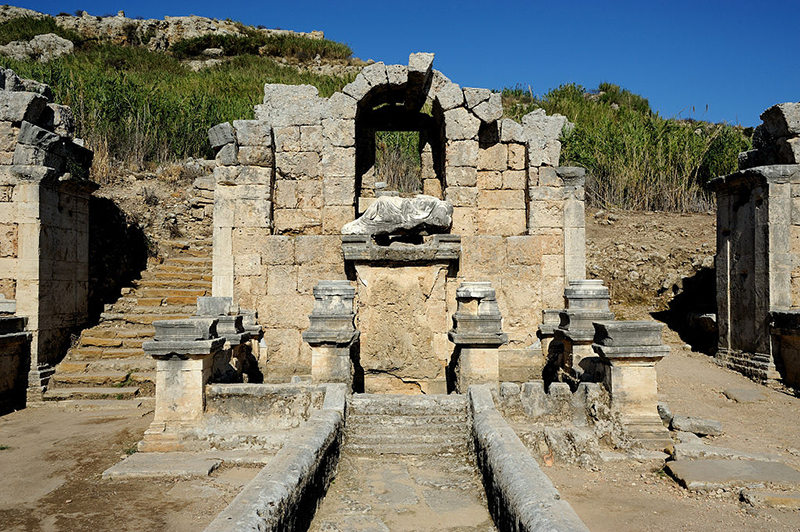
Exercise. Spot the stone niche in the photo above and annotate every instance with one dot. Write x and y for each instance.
(288, 181)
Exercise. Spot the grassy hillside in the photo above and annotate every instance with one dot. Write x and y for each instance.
(635, 158)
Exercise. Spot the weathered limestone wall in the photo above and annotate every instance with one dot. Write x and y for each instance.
(758, 245)
(290, 179)
(44, 209)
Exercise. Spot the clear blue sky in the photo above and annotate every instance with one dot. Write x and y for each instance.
(736, 57)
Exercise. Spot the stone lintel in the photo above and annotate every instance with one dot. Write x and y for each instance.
(579, 322)
(648, 354)
(489, 339)
(437, 248)
(756, 176)
(628, 333)
(7, 306)
(331, 338)
(186, 330)
(214, 306)
(182, 348)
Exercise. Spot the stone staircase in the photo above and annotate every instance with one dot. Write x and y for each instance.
(407, 424)
(108, 362)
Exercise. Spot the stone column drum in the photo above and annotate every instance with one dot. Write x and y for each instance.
(630, 351)
(332, 333)
(184, 351)
(478, 334)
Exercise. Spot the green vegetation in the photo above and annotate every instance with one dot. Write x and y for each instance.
(142, 107)
(634, 158)
(257, 43)
(26, 28)
(397, 160)
(4, 447)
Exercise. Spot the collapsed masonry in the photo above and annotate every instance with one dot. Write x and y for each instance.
(44, 227)
(758, 253)
(288, 181)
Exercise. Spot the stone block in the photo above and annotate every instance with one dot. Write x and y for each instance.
(462, 196)
(462, 176)
(524, 250)
(8, 239)
(358, 88)
(339, 162)
(290, 105)
(228, 155)
(298, 221)
(297, 165)
(220, 135)
(310, 138)
(281, 279)
(546, 214)
(450, 96)
(432, 187)
(516, 156)
(475, 96)
(462, 153)
(511, 131)
(285, 311)
(504, 222)
(490, 180)
(335, 217)
(490, 110)
(309, 275)
(540, 193)
(8, 136)
(515, 180)
(375, 74)
(501, 199)
(256, 156)
(544, 155)
(278, 250)
(782, 120)
(6, 193)
(247, 264)
(338, 191)
(36, 136)
(397, 75)
(340, 106)
(252, 213)
(339, 132)
(465, 221)
(287, 138)
(243, 175)
(318, 249)
(420, 63)
(493, 158)
(25, 155)
(789, 150)
(19, 106)
(460, 124)
(252, 133)
(700, 426)
(300, 194)
(479, 252)
(548, 177)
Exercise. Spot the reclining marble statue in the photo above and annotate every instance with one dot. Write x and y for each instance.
(393, 214)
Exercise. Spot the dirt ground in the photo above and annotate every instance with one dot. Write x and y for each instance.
(51, 459)
(51, 464)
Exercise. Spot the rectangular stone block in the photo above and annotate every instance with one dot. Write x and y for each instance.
(253, 192)
(548, 177)
(19, 106)
(318, 249)
(493, 158)
(228, 155)
(432, 187)
(8, 136)
(281, 279)
(256, 155)
(252, 213)
(252, 133)
(481, 254)
(462, 153)
(460, 124)
(546, 214)
(524, 250)
(278, 250)
(297, 165)
(339, 132)
(335, 217)
(283, 345)
(247, 264)
(248, 289)
(298, 194)
(340, 106)
(462, 196)
(311, 138)
(515, 180)
(505, 222)
(462, 176)
(338, 191)
(6, 193)
(298, 221)
(220, 135)
(8, 240)
(287, 138)
(490, 180)
(516, 156)
(465, 221)
(285, 311)
(340, 162)
(501, 199)
(308, 275)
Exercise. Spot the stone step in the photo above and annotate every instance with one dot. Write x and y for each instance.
(142, 319)
(105, 331)
(186, 305)
(168, 267)
(269, 441)
(410, 422)
(107, 404)
(176, 276)
(92, 353)
(189, 261)
(443, 432)
(188, 294)
(131, 365)
(408, 405)
(61, 394)
(404, 448)
(172, 284)
(66, 380)
(407, 438)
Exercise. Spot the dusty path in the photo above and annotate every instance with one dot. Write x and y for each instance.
(50, 465)
(381, 493)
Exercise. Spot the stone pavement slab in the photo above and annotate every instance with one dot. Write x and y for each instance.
(713, 474)
(154, 465)
(772, 499)
(745, 395)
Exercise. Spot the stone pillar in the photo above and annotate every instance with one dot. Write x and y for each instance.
(332, 333)
(184, 351)
(478, 334)
(587, 301)
(630, 351)
(15, 353)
